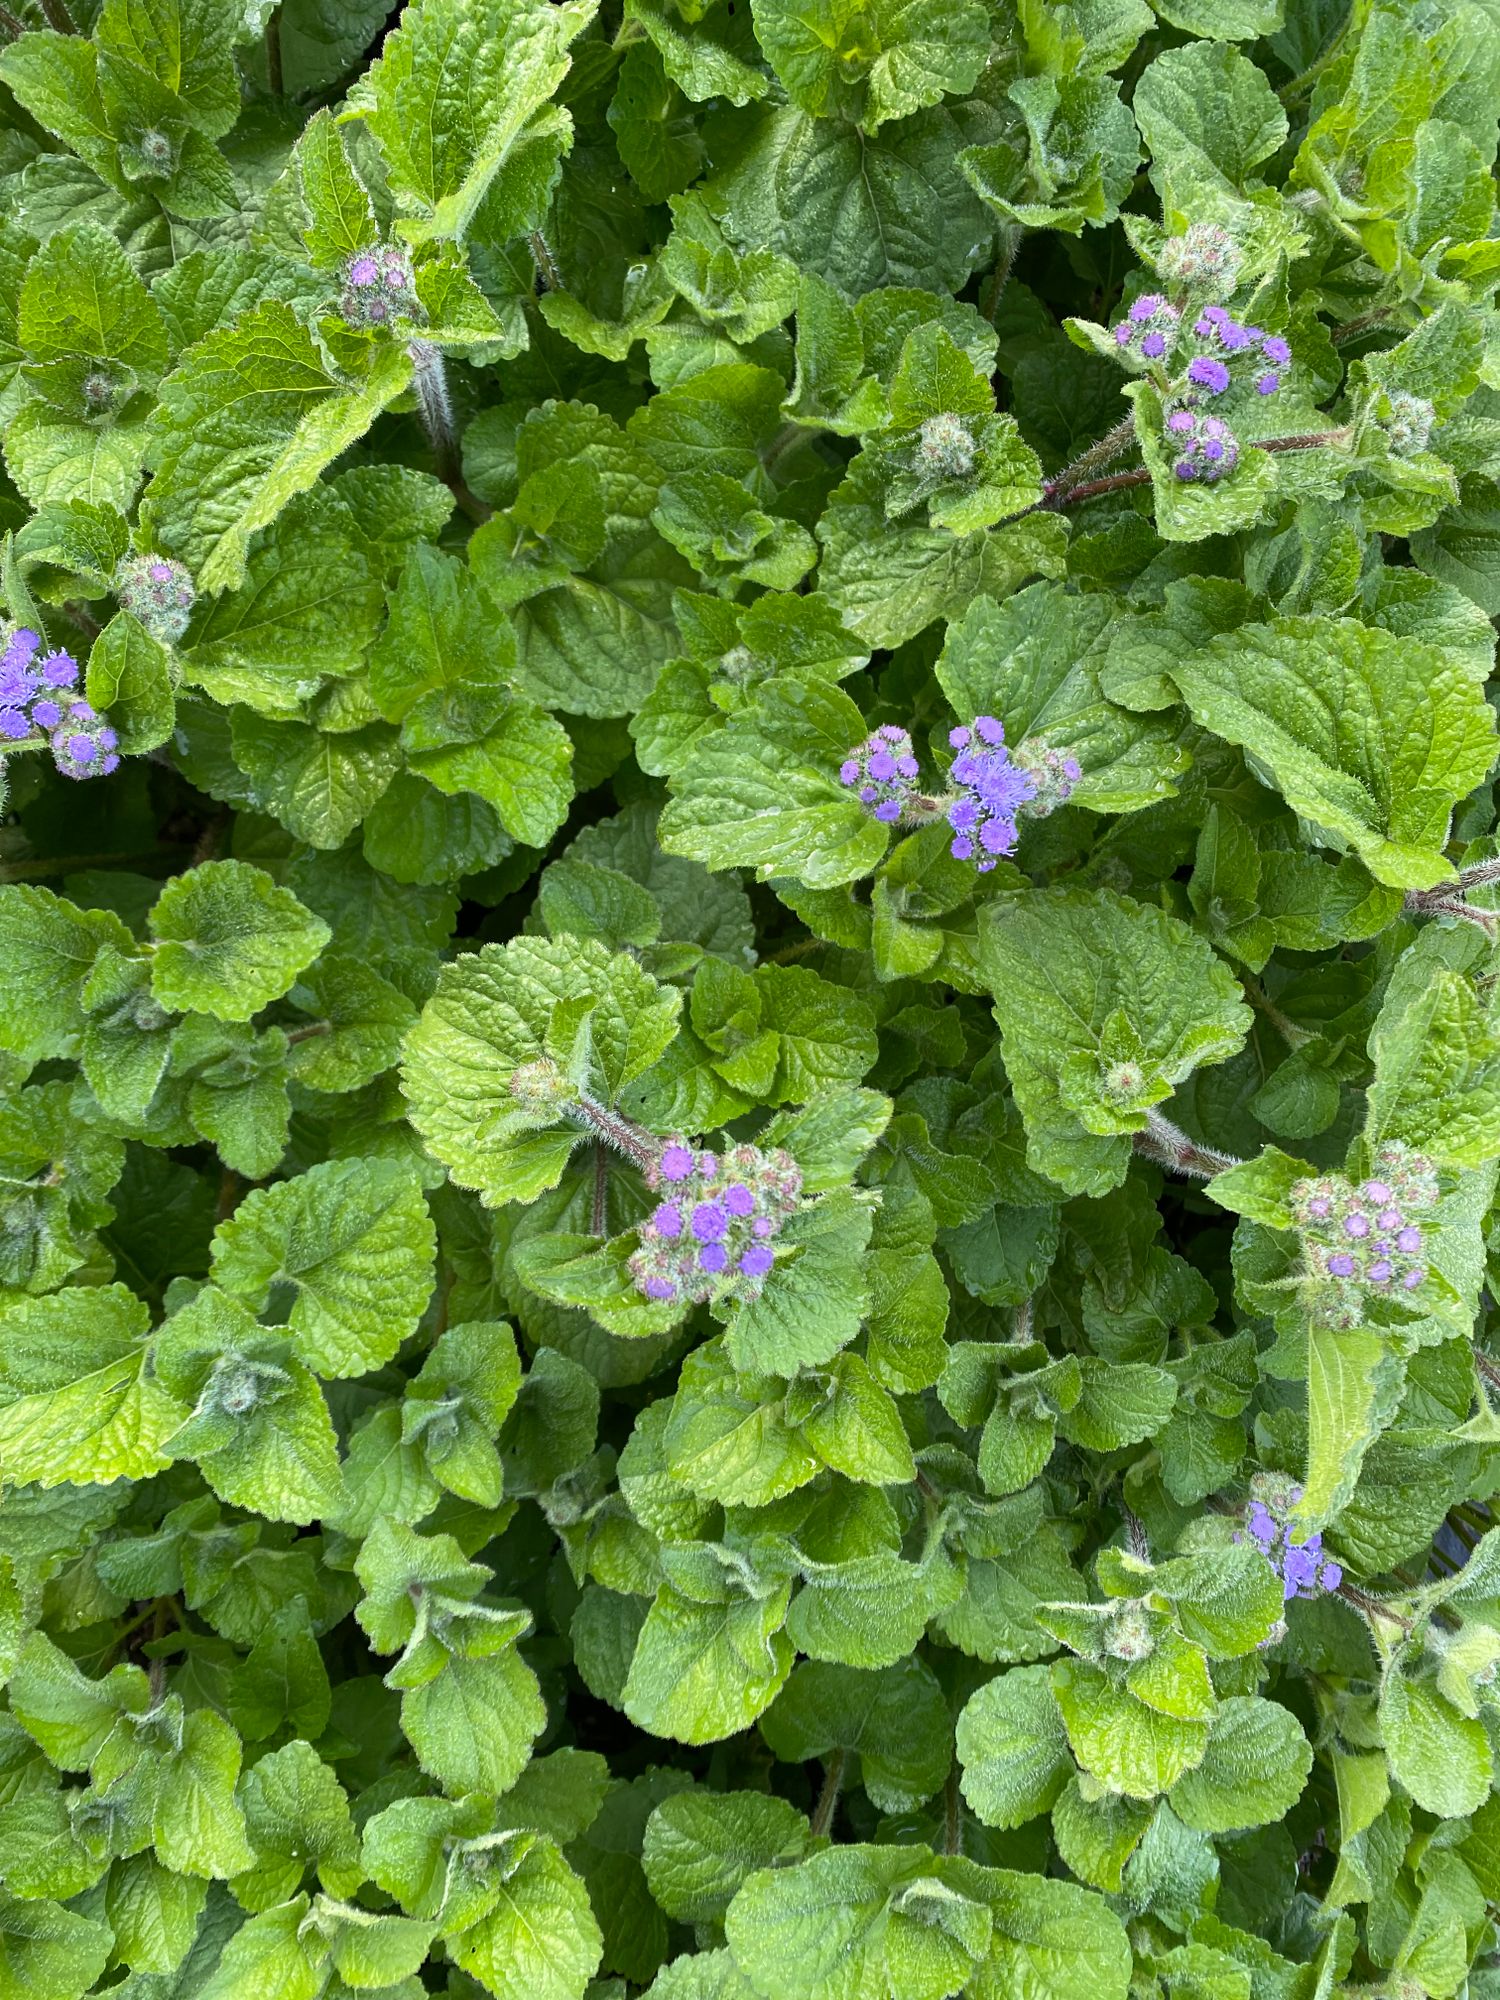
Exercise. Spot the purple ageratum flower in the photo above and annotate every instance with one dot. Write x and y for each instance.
(1206, 371)
(1341, 1264)
(712, 1240)
(1204, 447)
(1274, 348)
(45, 712)
(1053, 775)
(1409, 1240)
(363, 271)
(58, 670)
(1344, 1243)
(83, 744)
(1301, 1564)
(1356, 1223)
(378, 285)
(159, 592)
(14, 724)
(1267, 384)
(1152, 320)
(884, 770)
(990, 789)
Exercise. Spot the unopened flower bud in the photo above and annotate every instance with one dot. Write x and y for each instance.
(1203, 448)
(945, 447)
(1408, 423)
(157, 591)
(882, 772)
(1205, 257)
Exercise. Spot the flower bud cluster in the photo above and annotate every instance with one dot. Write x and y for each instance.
(1367, 1240)
(39, 697)
(991, 791)
(884, 771)
(1205, 258)
(541, 1089)
(378, 287)
(1203, 446)
(1229, 349)
(945, 447)
(1408, 423)
(157, 591)
(1053, 775)
(710, 1236)
(1129, 1635)
(1303, 1568)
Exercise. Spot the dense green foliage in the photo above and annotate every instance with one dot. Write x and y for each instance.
(749, 1065)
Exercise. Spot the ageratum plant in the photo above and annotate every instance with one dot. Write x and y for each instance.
(749, 1066)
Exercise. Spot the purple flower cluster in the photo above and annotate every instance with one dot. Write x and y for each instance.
(1367, 1239)
(711, 1235)
(1266, 356)
(378, 287)
(39, 698)
(157, 591)
(990, 789)
(1203, 446)
(1149, 328)
(884, 771)
(1302, 1566)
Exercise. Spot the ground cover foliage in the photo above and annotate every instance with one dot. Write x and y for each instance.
(749, 1082)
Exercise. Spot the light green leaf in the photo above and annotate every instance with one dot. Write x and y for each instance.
(229, 940)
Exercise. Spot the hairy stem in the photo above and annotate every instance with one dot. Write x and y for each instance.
(58, 16)
(599, 1219)
(1479, 875)
(547, 267)
(79, 615)
(1436, 903)
(1372, 1607)
(10, 25)
(309, 1033)
(1488, 1368)
(1110, 447)
(430, 380)
(1169, 1146)
(634, 1141)
(1005, 263)
(1290, 1033)
(828, 1798)
(1117, 482)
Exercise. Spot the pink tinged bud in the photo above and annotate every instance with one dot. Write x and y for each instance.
(1319, 1206)
(708, 1164)
(161, 572)
(364, 271)
(1389, 1218)
(1357, 1224)
(676, 1163)
(1180, 422)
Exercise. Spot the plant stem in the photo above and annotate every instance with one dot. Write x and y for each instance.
(1353, 328)
(1169, 1146)
(9, 23)
(1009, 248)
(1372, 1607)
(1487, 1367)
(309, 1033)
(1436, 903)
(430, 380)
(1060, 495)
(546, 264)
(634, 1141)
(599, 1219)
(83, 618)
(828, 1798)
(1290, 1033)
(1479, 875)
(273, 53)
(58, 16)
(72, 864)
(1057, 490)
(1020, 1326)
(953, 1815)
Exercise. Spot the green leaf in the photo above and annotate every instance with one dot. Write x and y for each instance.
(1012, 1748)
(340, 217)
(1437, 1065)
(895, 1722)
(1371, 738)
(1105, 1006)
(77, 1401)
(702, 1671)
(130, 680)
(229, 940)
(764, 792)
(700, 1846)
(541, 1940)
(47, 1952)
(353, 1244)
(1253, 1770)
(48, 948)
(871, 59)
(1441, 1757)
(502, 1007)
(82, 296)
(458, 89)
(249, 418)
